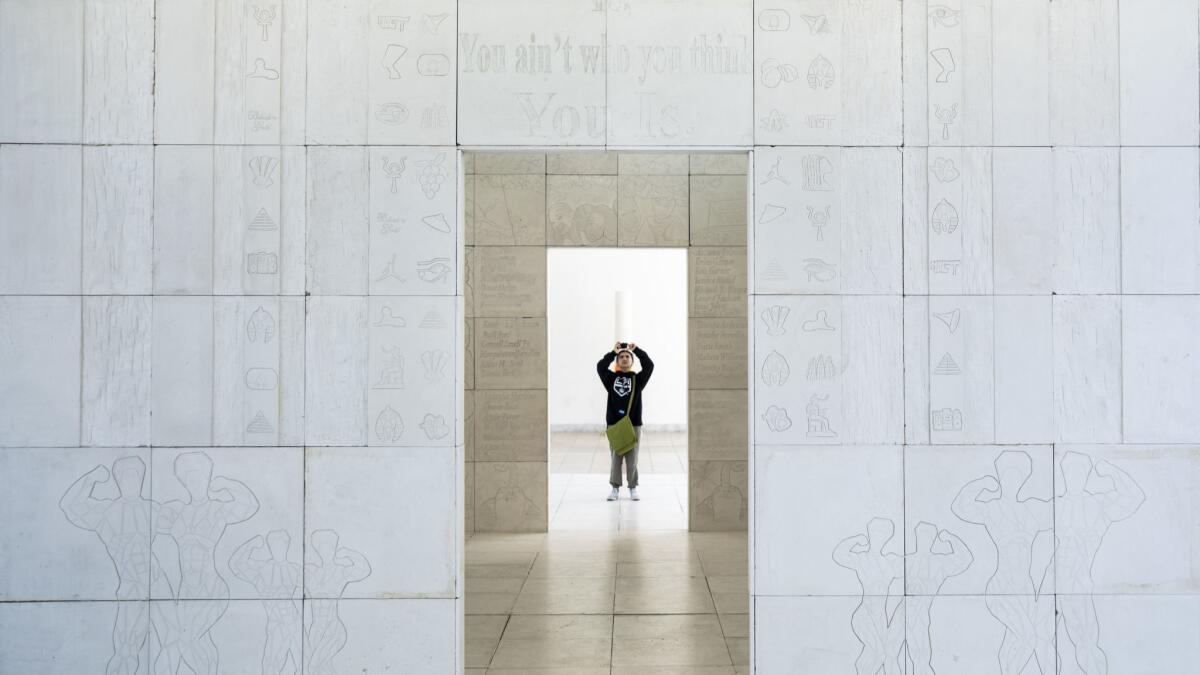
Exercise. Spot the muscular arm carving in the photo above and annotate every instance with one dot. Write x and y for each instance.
(1125, 498)
(79, 505)
(966, 503)
(960, 556)
(241, 563)
(359, 568)
(843, 553)
(242, 504)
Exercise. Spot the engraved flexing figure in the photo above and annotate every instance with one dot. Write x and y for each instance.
(277, 581)
(938, 556)
(123, 526)
(1013, 592)
(875, 626)
(197, 526)
(1084, 517)
(326, 580)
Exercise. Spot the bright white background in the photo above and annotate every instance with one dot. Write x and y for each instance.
(580, 318)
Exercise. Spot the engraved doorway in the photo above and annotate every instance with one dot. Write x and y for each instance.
(518, 204)
(556, 579)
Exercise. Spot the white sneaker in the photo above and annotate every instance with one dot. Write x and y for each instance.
(612, 496)
(633, 494)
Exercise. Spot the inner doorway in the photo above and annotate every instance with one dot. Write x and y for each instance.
(556, 579)
(593, 297)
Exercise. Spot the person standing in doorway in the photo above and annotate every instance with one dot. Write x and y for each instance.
(619, 384)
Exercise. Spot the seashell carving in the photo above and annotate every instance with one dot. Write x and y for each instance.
(775, 317)
(777, 419)
(775, 370)
(389, 427)
(262, 170)
(435, 361)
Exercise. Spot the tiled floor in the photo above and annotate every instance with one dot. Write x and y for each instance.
(614, 588)
(579, 465)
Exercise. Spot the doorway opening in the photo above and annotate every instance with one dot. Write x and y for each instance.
(594, 298)
(557, 575)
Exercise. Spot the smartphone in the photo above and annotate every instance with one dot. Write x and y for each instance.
(624, 345)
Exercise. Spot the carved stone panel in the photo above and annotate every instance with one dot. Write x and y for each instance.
(652, 164)
(717, 353)
(511, 425)
(510, 210)
(714, 164)
(509, 281)
(718, 211)
(411, 371)
(510, 496)
(40, 361)
(182, 371)
(680, 73)
(40, 207)
(719, 495)
(652, 210)
(582, 163)
(717, 426)
(412, 244)
(510, 353)
(534, 75)
(469, 356)
(469, 426)
(717, 282)
(581, 210)
(502, 163)
(116, 371)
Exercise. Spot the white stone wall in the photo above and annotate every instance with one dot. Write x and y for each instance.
(988, 462)
(231, 292)
(1009, 185)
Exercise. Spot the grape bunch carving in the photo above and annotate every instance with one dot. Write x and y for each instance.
(431, 175)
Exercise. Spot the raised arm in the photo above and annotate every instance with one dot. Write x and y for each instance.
(1125, 498)
(241, 562)
(358, 567)
(242, 503)
(844, 553)
(966, 503)
(959, 558)
(78, 504)
(647, 365)
(603, 364)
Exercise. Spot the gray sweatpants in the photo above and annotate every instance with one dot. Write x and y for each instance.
(630, 459)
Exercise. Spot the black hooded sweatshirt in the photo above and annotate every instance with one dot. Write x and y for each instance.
(618, 386)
